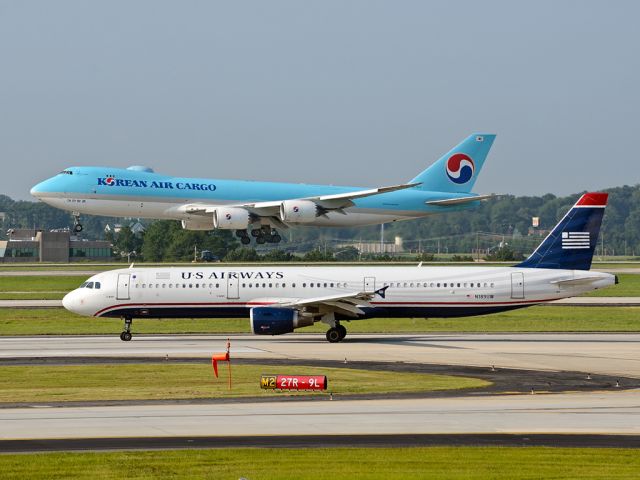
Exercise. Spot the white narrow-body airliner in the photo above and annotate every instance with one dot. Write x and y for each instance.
(280, 299)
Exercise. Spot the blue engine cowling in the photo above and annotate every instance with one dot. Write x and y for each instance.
(274, 320)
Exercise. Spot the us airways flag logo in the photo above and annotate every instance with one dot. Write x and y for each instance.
(575, 240)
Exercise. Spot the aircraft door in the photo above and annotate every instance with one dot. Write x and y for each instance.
(233, 286)
(517, 285)
(369, 284)
(122, 292)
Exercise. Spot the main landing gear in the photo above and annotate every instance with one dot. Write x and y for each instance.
(77, 226)
(126, 335)
(264, 234)
(336, 334)
(243, 236)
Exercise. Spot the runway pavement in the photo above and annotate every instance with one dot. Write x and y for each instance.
(324, 441)
(616, 412)
(607, 354)
(598, 412)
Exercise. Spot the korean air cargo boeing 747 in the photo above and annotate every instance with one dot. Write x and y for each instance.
(280, 299)
(259, 208)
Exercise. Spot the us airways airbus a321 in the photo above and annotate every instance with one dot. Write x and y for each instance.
(280, 299)
(260, 208)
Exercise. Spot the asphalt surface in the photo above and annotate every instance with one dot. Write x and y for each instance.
(321, 441)
(579, 406)
(598, 353)
(566, 413)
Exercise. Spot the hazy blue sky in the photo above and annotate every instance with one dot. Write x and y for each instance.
(346, 92)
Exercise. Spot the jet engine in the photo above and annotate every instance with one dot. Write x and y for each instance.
(205, 223)
(299, 211)
(231, 218)
(276, 320)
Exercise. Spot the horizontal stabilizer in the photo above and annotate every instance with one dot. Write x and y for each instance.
(460, 200)
(576, 281)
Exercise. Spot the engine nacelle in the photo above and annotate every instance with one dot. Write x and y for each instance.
(206, 223)
(276, 320)
(231, 218)
(299, 211)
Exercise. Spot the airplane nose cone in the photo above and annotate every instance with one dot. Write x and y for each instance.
(69, 301)
(35, 190)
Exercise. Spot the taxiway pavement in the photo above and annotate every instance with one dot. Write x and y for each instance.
(597, 412)
(607, 354)
(611, 412)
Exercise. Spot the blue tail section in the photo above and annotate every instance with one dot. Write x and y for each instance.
(457, 170)
(572, 242)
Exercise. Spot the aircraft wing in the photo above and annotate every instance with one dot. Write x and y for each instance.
(347, 303)
(272, 208)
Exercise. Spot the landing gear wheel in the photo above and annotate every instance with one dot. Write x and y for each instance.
(342, 330)
(275, 237)
(126, 335)
(256, 232)
(77, 227)
(241, 233)
(260, 240)
(245, 240)
(333, 335)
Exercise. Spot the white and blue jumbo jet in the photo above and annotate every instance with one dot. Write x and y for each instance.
(260, 208)
(280, 299)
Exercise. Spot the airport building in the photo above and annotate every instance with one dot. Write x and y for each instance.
(32, 245)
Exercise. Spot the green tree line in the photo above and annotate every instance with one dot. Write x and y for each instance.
(506, 218)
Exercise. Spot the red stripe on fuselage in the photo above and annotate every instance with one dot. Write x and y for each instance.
(207, 304)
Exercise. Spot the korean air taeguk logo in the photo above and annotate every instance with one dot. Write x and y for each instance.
(460, 168)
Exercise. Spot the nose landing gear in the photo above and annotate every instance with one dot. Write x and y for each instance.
(126, 335)
(77, 226)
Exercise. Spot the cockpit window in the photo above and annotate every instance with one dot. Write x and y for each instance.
(96, 285)
(83, 285)
(66, 172)
(89, 285)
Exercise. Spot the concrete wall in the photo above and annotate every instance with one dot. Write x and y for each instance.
(54, 246)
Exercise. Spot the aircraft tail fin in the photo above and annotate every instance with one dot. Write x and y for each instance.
(458, 169)
(572, 243)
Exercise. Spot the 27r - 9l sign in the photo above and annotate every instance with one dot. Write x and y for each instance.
(293, 382)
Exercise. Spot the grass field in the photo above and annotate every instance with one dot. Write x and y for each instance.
(57, 321)
(44, 383)
(432, 463)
